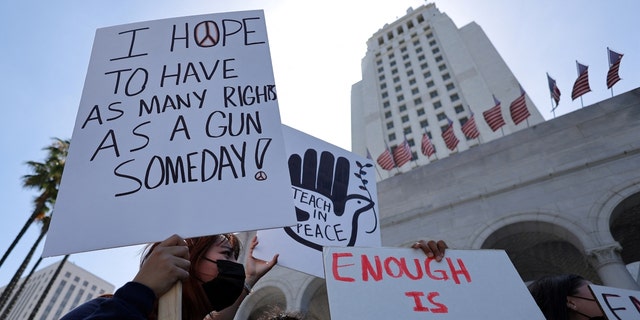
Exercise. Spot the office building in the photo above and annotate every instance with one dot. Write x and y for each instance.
(419, 73)
(71, 287)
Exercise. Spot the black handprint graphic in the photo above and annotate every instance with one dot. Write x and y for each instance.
(326, 213)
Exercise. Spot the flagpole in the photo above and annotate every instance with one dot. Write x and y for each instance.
(581, 103)
(553, 110)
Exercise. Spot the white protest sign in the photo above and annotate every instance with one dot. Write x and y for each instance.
(178, 131)
(402, 283)
(334, 192)
(616, 303)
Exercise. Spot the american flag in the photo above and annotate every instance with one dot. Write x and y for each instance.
(402, 153)
(553, 89)
(427, 147)
(369, 155)
(614, 65)
(470, 129)
(493, 116)
(581, 86)
(518, 108)
(385, 160)
(450, 137)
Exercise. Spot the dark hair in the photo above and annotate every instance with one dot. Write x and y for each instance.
(195, 304)
(550, 293)
(275, 313)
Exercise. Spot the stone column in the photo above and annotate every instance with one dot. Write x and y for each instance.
(612, 271)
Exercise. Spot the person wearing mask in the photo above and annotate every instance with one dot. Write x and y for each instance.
(565, 297)
(214, 283)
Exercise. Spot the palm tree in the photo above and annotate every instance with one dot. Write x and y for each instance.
(46, 178)
(36, 308)
(8, 290)
(14, 299)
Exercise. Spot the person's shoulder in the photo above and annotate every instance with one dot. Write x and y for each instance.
(87, 308)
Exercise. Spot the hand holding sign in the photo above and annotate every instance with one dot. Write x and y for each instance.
(167, 263)
(320, 192)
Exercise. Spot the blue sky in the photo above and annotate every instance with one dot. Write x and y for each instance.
(316, 51)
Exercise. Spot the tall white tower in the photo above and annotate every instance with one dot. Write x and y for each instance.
(421, 71)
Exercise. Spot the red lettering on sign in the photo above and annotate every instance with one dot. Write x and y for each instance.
(335, 266)
(461, 271)
(367, 269)
(441, 308)
(416, 300)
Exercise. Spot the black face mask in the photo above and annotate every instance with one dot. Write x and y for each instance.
(225, 289)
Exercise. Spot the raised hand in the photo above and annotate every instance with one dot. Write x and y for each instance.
(255, 268)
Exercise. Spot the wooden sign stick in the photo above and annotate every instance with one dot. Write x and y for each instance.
(170, 304)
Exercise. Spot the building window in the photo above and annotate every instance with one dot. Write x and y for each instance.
(391, 55)
(442, 67)
(384, 94)
(386, 104)
(409, 73)
(403, 50)
(381, 78)
(432, 43)
(437, 105)
(400, 98)
(400, 30)
(412, 81)
(392, 136)
(405, 56)
(383, 86)
(463, 120)
(389, 125)
(417, 101)
(390, 35)
(427, 74)
(441, 116)
(394, 71)
(421, 57)
(380, 41)
(444, 128)
(387, 114)
(454, 97)
(420, 19)
(398, 88)
(446, 76)
(418, 49)
(430, 84)
(404, 119)
(380, 70)
(415, 91)
(429, 35)
(402, 108)
(424, 123)
(407, 65)
(416, 42)
(407, 130)
(438, 58)
(459, 108)
(392, 63)
(396, 79)
(420, 111)
(410, 24)
(450, 86)
(433, 94)
(411, 143)
(435, 50)
(424, 66)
